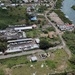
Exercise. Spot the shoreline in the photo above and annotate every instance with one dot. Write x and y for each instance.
(59, 4)
(73, 7)
(60, 13)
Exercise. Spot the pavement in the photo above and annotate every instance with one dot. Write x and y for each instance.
(20, 54)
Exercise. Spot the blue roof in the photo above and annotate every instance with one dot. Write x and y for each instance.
(33, 18)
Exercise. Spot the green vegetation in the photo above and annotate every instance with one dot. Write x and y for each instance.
(7, 16)
(14, 61)
(1, 72)
(56, 60)
(72, 60)
(69, 37)
(3, 45)
(63, 18)
(73, 7)
(58, 4)
(60, 13)
(36, 32)
(42, 8)
(44, 44)
(49, 29)
(52, 42)
(40, 16)
(27, 70)
(51, 64)
(32, 33)
(60, 57)
(41, 20)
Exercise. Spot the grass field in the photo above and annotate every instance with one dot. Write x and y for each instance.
(33, 33)
(27, 70)
(57, 61)
(14, 61)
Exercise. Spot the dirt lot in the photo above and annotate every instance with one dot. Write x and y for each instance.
(56, 18)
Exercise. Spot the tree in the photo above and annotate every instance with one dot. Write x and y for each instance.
(44, 44)
(72, 60)
(69, 37)
(3, 46)
(27, 18)
(42, 8)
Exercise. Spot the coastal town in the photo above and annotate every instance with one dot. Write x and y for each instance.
(36, 36)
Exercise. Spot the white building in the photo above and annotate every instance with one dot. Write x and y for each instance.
(22, 28)
(37, 40)
(66, 27)
(26, 1)
(35, 0)
(34, 58)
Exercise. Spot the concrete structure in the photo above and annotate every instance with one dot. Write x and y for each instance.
(23, 28)
(2, 4)
(20, 40)
(67, 27)
(34, 58)
(21, 45)
(10, 33)
(17, 40)
(34, 18)
(26, 1)
(37, 40)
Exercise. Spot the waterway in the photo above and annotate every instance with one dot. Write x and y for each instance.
(67, 10)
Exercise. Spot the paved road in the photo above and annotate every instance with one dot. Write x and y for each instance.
(20, 54)
(27, 52)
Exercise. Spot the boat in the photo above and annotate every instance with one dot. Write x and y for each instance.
(67, 16)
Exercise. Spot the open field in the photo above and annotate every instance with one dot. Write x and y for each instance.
(14, 61)
(33, 33)
(62, 16)
(60, 13)
(56, 62)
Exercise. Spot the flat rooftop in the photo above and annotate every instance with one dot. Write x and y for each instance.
(19, 40)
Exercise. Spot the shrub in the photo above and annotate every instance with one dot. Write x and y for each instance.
(44, 44)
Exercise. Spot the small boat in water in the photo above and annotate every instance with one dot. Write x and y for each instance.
(66, 16)
(71, 20)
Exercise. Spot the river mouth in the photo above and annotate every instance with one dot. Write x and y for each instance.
(67, 10)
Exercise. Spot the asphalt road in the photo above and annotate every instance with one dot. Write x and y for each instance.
(20, 54)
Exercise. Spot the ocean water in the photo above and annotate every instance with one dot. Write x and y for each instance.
(67, 10)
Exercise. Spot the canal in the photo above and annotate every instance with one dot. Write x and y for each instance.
(67, 10)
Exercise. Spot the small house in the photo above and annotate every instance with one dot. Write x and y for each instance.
(37, 40)
(34, 58)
